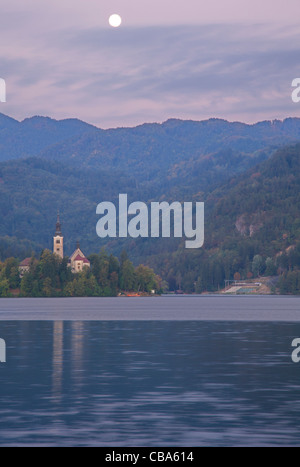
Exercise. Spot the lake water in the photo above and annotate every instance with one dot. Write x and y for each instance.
(175, 371)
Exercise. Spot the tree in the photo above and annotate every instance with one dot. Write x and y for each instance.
(270, 267)
(114, 280)
(237, 276)
(69, 289)
(79, 285)
(199, 286)
(65, 273)
(92, 289)
(27, 284)
(49, 267)
(123, 258)
(128, 278)
(11, 272)
(290, 283)
(145, 279)
(51, 276)
(257, 265)
(4, 288)
(114, 265)
(47, 289)
(103, 270)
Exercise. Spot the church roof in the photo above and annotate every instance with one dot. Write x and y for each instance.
(26, 262)
(79, 258)
(84, 260)
(76, 253)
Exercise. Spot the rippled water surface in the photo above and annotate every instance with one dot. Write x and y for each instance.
(149, 382)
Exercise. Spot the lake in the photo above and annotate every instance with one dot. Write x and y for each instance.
(169, 371)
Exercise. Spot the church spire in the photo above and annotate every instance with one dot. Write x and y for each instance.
(58, 225)
(58, 239)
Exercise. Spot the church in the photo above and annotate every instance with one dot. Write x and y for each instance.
(77, 261)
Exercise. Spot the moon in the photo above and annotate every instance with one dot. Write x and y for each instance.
(115, 21)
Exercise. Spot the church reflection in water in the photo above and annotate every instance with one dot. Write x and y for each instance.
(58, 360)
(77, 345)
(64, 334)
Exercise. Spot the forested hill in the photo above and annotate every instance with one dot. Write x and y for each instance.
(33, 135)
(170, 159)
(263, 203)
(252, 228)
(251, 189)
(151, 147)
(143, 147)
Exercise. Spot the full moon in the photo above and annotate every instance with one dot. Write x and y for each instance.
(115, 21)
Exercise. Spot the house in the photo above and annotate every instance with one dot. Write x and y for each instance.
(24, 266)
(78, 261)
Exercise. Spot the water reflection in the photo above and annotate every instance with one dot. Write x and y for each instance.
(77, 346)
(149, 384)
(58, 360)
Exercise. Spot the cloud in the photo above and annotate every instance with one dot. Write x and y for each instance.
(36, 16)
(137, 74)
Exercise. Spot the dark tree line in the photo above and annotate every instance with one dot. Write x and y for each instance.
(49, 276)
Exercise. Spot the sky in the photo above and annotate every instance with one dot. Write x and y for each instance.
(188, 59)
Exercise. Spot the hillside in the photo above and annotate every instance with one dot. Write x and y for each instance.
(174, 154)
(263, 203)
(251, 190)
(177, 155)
(76, 166)
(33, 135)
(32, 190)
(252, 227)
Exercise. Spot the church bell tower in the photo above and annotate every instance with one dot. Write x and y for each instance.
(58, 240)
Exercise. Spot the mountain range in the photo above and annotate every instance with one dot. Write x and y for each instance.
(247, 174)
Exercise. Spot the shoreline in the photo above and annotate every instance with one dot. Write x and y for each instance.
(167, 295)
(270, 309)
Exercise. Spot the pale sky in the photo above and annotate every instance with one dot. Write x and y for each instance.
(188, 59)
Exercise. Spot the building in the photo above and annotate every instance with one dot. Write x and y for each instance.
(24, 267)
(78, 261)
(58, 240)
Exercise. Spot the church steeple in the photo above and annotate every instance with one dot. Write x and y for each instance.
(58, 239)
(58, 225)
